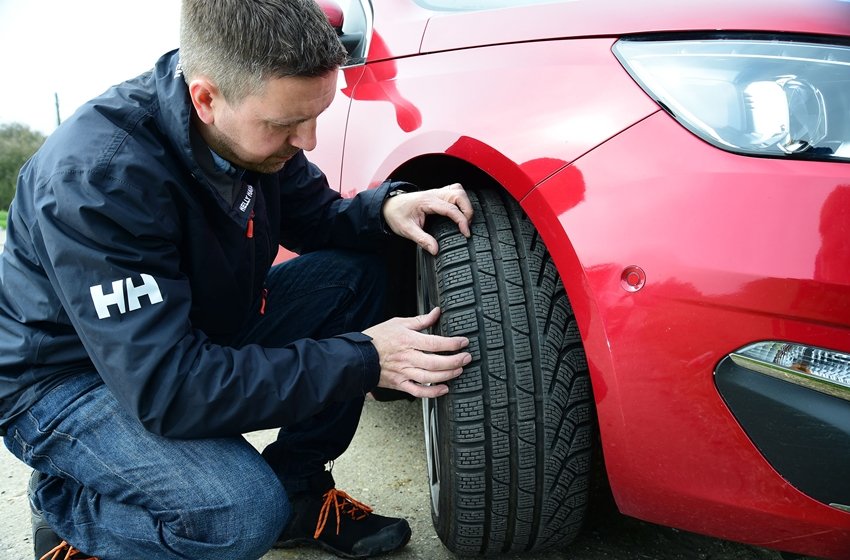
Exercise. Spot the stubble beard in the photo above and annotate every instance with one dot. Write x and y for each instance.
(222, 145)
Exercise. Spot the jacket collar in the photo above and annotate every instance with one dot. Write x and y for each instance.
(223, 181)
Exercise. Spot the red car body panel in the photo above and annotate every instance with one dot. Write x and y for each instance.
(589, 18)
(734, 249)
(674, 453)
(516, 157)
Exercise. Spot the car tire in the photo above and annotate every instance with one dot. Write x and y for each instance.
(509, 448)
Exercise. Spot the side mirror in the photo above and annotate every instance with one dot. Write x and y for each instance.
(333, 12)
(353, 41)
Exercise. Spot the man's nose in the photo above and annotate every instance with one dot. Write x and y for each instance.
(304, 136)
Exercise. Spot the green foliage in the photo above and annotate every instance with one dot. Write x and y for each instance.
(17, 143)
(3, 215)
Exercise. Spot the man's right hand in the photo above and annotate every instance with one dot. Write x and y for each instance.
(415, 362)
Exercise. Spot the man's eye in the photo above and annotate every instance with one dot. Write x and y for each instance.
(278, 126)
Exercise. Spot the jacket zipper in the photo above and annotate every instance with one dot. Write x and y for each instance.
(249, 233)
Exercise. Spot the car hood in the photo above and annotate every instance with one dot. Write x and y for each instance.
(407, 29)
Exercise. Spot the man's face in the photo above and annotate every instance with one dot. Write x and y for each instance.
(262, 131)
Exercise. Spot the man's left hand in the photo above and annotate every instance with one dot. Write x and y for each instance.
(405, 213)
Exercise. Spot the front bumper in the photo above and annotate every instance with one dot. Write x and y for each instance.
(804, 434)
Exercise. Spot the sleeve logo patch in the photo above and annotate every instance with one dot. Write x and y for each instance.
(125, 296)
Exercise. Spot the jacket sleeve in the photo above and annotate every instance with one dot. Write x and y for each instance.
(315, 216)
(110, 250)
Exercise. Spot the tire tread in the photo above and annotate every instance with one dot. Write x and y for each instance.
(520, 417)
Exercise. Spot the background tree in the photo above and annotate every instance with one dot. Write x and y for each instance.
(17, 143)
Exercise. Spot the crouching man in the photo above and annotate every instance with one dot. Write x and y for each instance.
(145, 328)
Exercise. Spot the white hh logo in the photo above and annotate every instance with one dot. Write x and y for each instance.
(102, 301)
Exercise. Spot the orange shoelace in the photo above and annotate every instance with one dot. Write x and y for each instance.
(343, 504)
(70, 553)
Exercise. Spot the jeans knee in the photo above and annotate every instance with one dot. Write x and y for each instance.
(263, 517)
(243, 528)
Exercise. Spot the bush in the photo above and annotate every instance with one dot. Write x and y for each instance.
(17, 144)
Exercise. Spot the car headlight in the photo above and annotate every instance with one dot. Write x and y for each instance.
(759, 96)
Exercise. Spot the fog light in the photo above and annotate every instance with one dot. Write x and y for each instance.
(819, 369)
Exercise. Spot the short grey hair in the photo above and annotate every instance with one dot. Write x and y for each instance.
(241, 44)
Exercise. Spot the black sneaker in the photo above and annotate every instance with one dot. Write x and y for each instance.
(333, 520)
(46, 544)
(44, 539)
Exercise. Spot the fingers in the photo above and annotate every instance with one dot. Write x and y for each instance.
(422, 322)
(437, 343)
(453, 203)
(412, 382)
(426, 241)
(414, 361)
(458, 198)
(432, 342)
(461, 200)
(413, 227)
(405, 214)
(423, 367)
(424, 391)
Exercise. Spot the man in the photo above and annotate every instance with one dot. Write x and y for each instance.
(144, 328)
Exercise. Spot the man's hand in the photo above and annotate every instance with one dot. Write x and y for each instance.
(409, 358)
(405, 214)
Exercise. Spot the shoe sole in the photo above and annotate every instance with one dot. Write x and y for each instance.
(293, 543)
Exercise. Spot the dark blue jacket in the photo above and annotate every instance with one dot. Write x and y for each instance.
(127, 252)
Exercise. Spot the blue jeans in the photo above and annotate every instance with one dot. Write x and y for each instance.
(116, 491)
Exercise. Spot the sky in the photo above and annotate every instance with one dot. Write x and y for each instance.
(75, 49)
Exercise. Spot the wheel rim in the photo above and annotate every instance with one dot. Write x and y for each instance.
(426, 300)
(429, 412)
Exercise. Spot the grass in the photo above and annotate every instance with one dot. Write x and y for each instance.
(3, 214)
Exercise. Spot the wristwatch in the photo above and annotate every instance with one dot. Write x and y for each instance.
(390, 194)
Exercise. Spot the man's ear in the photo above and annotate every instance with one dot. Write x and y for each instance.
(205, 96)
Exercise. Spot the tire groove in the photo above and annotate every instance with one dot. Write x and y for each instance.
(507, 344)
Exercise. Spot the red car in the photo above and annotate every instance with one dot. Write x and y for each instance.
(658, 281)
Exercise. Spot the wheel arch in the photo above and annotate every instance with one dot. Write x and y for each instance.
(425, 171)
